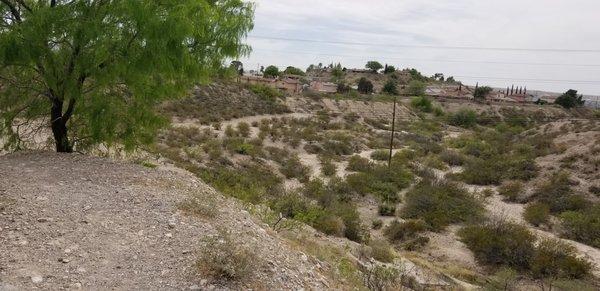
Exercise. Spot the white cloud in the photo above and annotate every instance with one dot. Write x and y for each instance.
(481, 23)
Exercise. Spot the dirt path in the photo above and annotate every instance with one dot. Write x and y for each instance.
(72, 221)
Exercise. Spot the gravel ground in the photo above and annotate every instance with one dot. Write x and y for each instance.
(79, 222)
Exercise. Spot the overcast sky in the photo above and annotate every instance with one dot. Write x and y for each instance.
(384, 28)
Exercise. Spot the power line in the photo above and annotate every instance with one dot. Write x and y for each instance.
(434, 60)
(560, 50)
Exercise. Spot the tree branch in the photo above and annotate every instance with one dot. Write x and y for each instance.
(24, 5)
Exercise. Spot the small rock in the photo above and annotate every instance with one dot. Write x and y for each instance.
(169, 235)
(64, 260)
(203, 282)
(195, 287)
(37, 279)
(42, 220)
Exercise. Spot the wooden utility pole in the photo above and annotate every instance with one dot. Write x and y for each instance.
(392, 138)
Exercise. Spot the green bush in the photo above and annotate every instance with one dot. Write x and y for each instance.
(441, 203)
(422, 104)
(382, 251)
(377, 224)
(416, 88)
(222, 258)
(293, 168)
(511, 190)
(536, 213)
(452, 158)
(328, 168)
(500, 243)
(558, 195)
(401, 231)
(357, 163)
(266, 93)
(466, 118)
(556, 259)
(386, 209)
(505, 244)
(243, 129)
(380, 155)
(582, 225)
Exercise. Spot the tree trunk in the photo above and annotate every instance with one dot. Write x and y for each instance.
(59, 128)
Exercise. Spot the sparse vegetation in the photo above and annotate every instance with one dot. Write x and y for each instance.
(223, 258)
(537, 213)
(511, 190)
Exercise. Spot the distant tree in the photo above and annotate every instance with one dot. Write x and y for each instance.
(416, 88)
(365, 86)
(450, 80)
(570, 99)
(416, 75)
(293, 71)
(390, 88)
(238, 67)
(482, 92)
(389, 69)
(94, 72)
(374, 66)
(262, 69)
(438, 77)
(338, 71)
(271, 72)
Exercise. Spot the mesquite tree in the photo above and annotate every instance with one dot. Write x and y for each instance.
(94, 71)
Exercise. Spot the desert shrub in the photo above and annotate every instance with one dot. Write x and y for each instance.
(382, 251)
(387, 209)
(357, 163)
(250, 183)
(290, 205)
(337, 147)
(354, 229)
(230, 131)
(500, 243)
(204, 207)
(556, 259)
(381, 181)
(401, 231)
(213, 149)
(434, 161)
(328, 168)
(422, 103)
(416, 88)
(438, 111)
(416, 243)
(452, 158)
(558, 195)
(583, 225)
(222, 258)
(330, 225)
(440, 203)
(380, 155)
(278, 155)
(243, 129)
(536, 213)
(266, 93)
(293, 168)
(466, 118)
(382, 278)
(511, 190)
(377, 224)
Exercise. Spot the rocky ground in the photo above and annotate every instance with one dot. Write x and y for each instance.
(78, 222)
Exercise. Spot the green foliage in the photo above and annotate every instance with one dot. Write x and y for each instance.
(365, 86)
(380, 155)
(536, 213)
(441, 203)
(293, 71)
(328, 168)
(416, 75)
(293, 168)
(416, 88)
(374, 66)
(466, 118)
(381, 251)
(570, 99)
(452, 158)
(104, 67)
(387, 209)
(583, 225)
(482, 92)
(268, 94)
(500, 243)
(390, 88)
(556, 192)
(511, 190)
(556, 259)
(389, 69)
(377, 224)
(381, 182)
(402, 231)
(357, 163)
(243, 129)
(422, 103)
(271, 72)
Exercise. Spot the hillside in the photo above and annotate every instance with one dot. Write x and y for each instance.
(72, 221)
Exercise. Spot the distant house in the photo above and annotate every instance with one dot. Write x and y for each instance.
(324, 87)
(284, 84)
